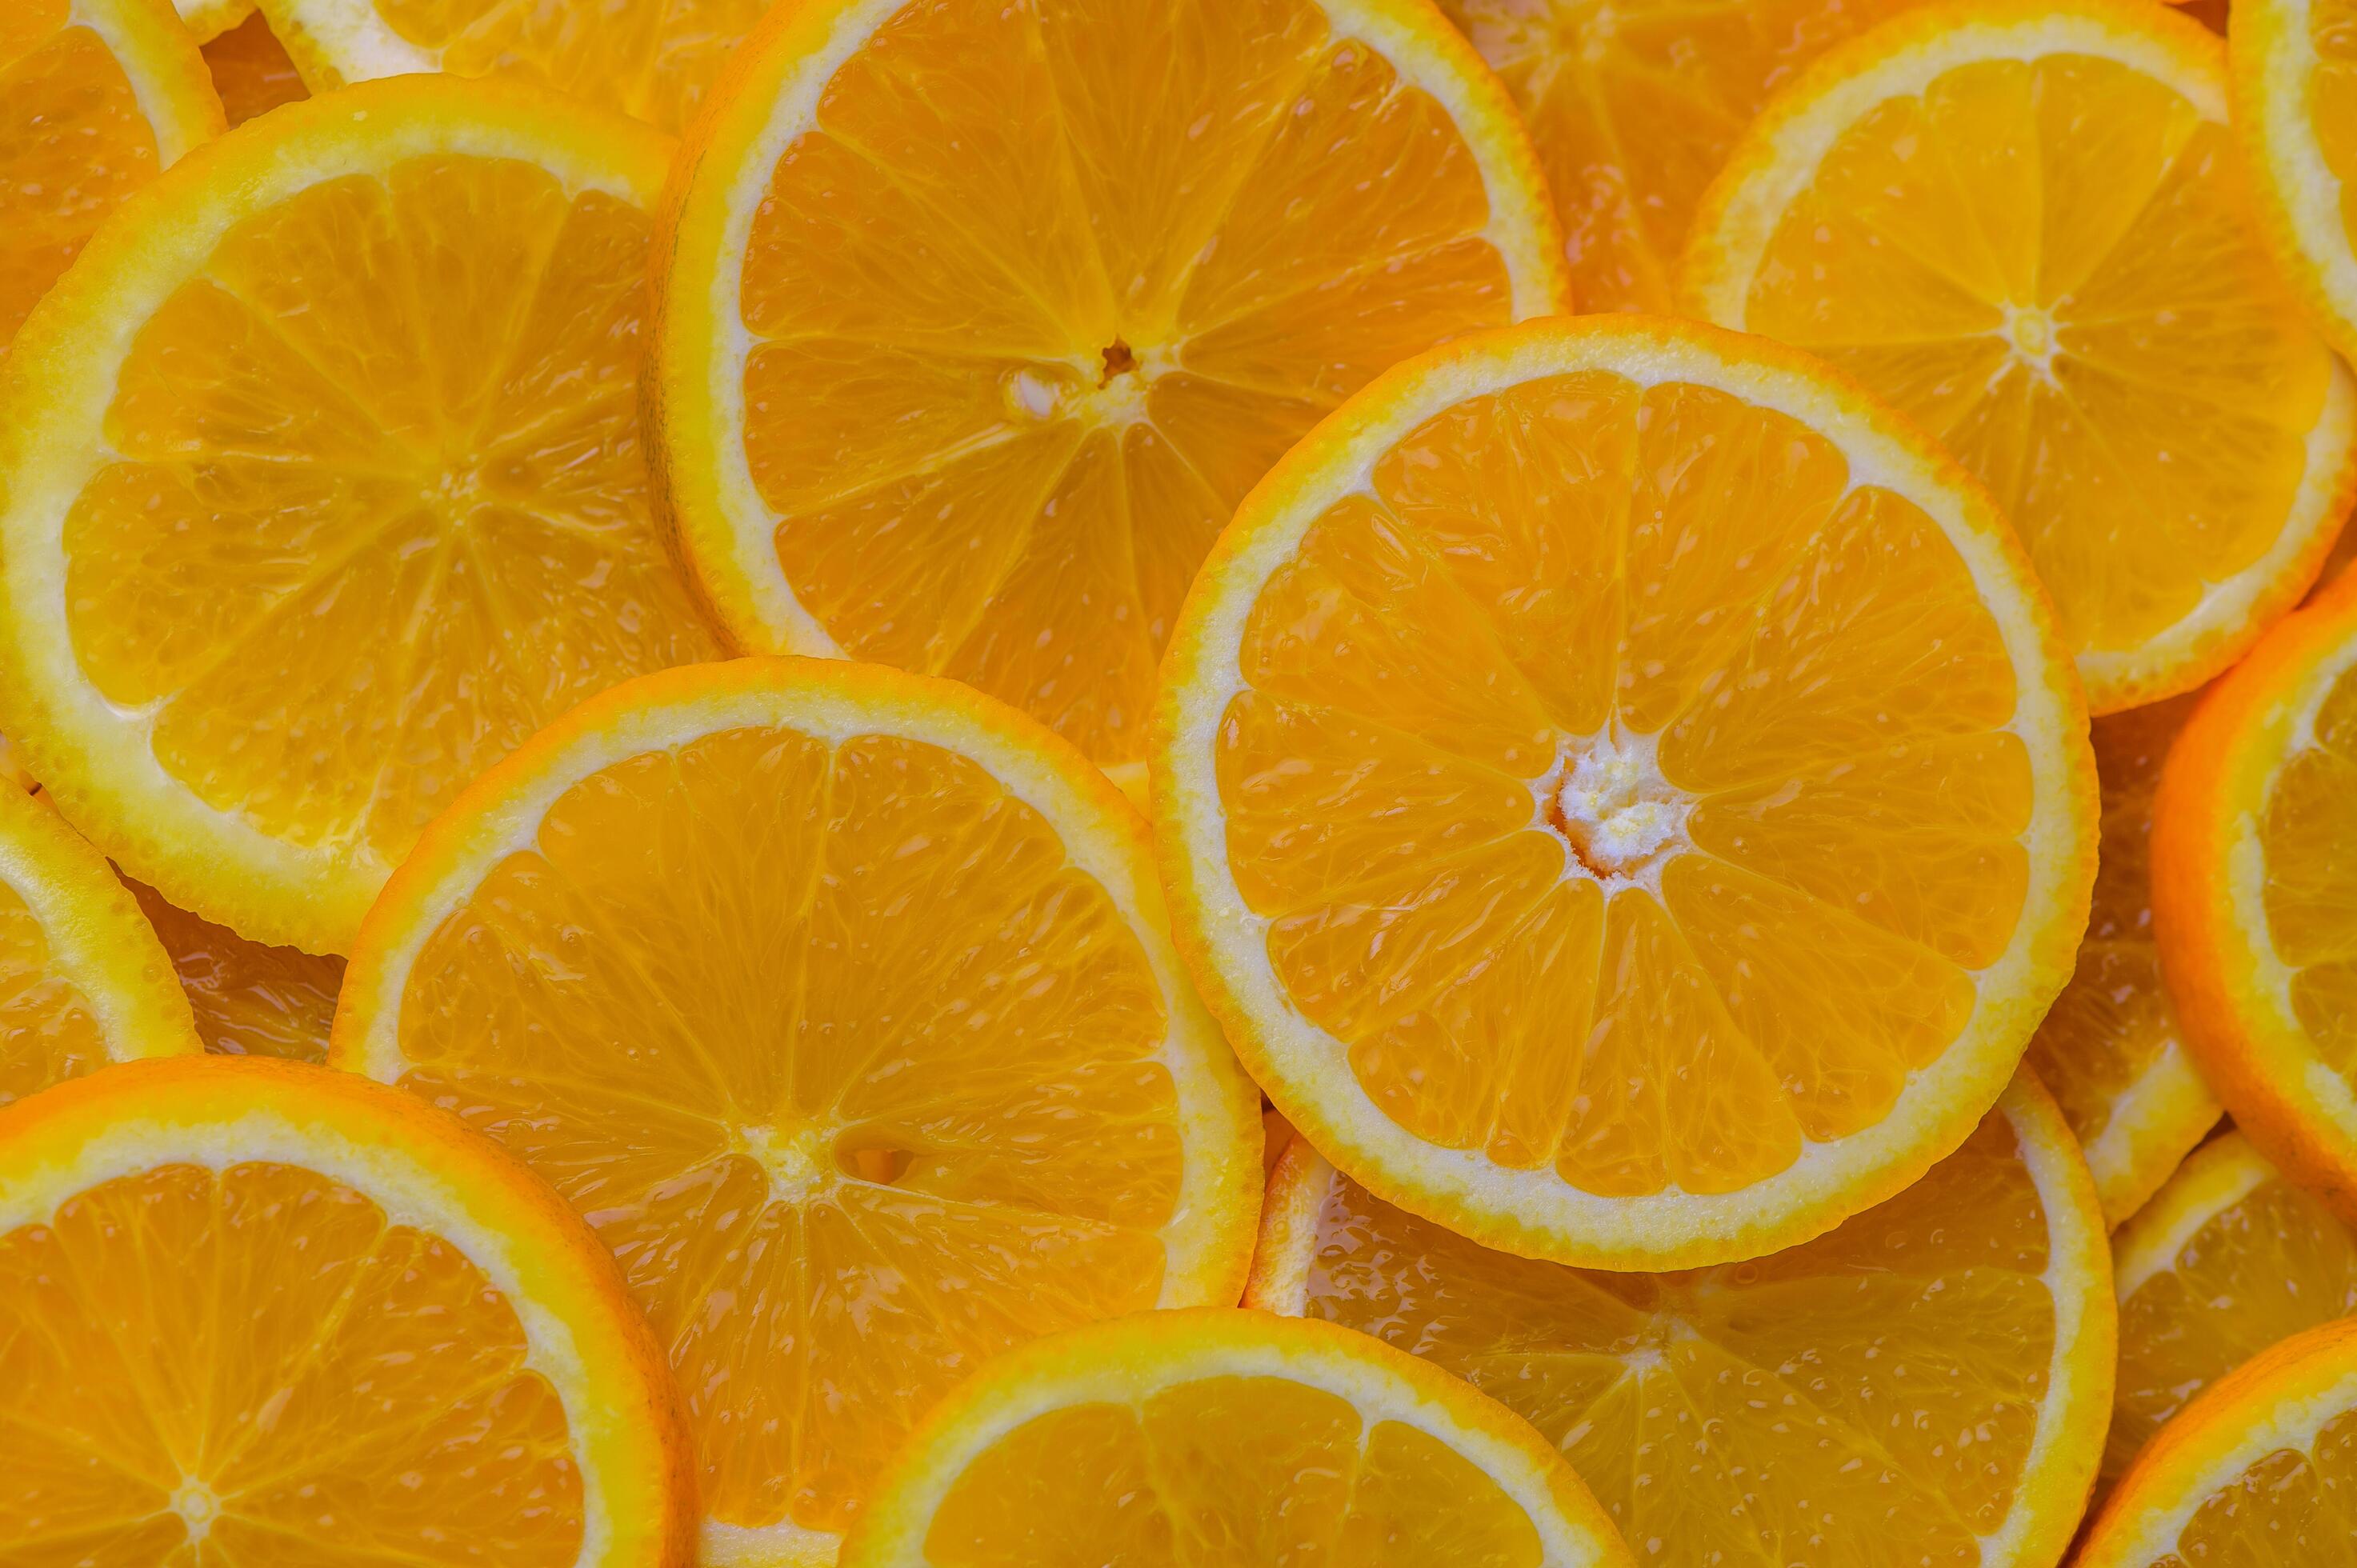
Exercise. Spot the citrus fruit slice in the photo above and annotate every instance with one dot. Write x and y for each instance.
(1174, 1438)
(2255, 894)
(82, 981)
(2294, 68)
(1928, 1383)
(1623, 791)
(96, 96)
(2110, 1049)
(842, 1002)
(2226, 1260)
(2258, 1470)
(324, 490)
(251, 70)
(249, 1000)
(2026, 224)
(258, 1311)
(650, 58)
(974, 325)
(208, 19)
(1634, 106)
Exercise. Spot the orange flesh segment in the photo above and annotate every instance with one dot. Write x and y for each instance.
(73, 144)
(2307, 842)
(250, 999)
(380, 512)
(48, 1033)
(1821, 694)
(2053, 267)
(2290, 1506)
(1037, 300)
(2332, 33)
(251, 70)
(1226, 1469)
(1635, 108)
(1882, 1383)
(260, 1352)
(789, 1021)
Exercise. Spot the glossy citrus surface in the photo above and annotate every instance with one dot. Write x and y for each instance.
(839, 1001)
(1928, 1383)
(262, 1314)
(2028, 225)
(978, 321)
(357, 506)
(1173, 1439)
(1588, 872)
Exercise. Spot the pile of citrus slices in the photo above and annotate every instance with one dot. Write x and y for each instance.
(1189, 783)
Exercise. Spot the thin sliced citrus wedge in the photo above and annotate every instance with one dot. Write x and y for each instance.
(82, 981)
(2226, 1260)
(2110, 1049)
(249, 1000)
(260, 1313)
(1928, 1383)
(1171, 1439)
(2260, 1470)
(842, 1002)
(2026, 224)
(650, 58)
(1623, 791)
(96, 96)
(323, 490)
(251, 70)
(2255, 894)
(209, 19)
(975, 322)
(1635, 107)
(2295, 79)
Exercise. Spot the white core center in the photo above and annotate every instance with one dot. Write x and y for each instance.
(796, 1160)
(197, 1506)
(1615, 807)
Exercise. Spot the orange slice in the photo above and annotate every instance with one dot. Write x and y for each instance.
(2025, 223)
(1624, 794)
(251, 70)
(1635, 107)
(2294, 76)
(82, 981)
(841, 1001)
(1230, 1437)
(208, 19)
(249, 1000)
(96, 96)
(2254, 892)
(261, 1313)
(974, 325)
(2258, 1470)
(324, 490)
(651, 59)
(2110, 1049)
(2227, 1258)
(1928, 1383)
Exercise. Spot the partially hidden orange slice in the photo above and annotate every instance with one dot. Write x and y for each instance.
(323, 490)
(1624, 793)
(976, 322)
(1175, 1438)
(249, 1000)
(262, 1312)
(842, 1002)
(2025, 223)
(1928, 1383)
(2295, 80)
(96, 98)
(209, 19)
(251, 70)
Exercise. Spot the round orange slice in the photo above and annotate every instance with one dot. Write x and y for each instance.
(2110, 1049)
(323, 490)
(249, 1000)
(651, 59)
(1634, 108)
(1624, 793)
(2255, 894)
(1928, 1383)
(251, 70)
(2226, 1260)
(1175, 1438)
(974, 324)
(2294, 70)
(96, 97)
(82, 981)
(842, 1002)
(2026, 224)
(2258, 1470)
(261, 1313)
